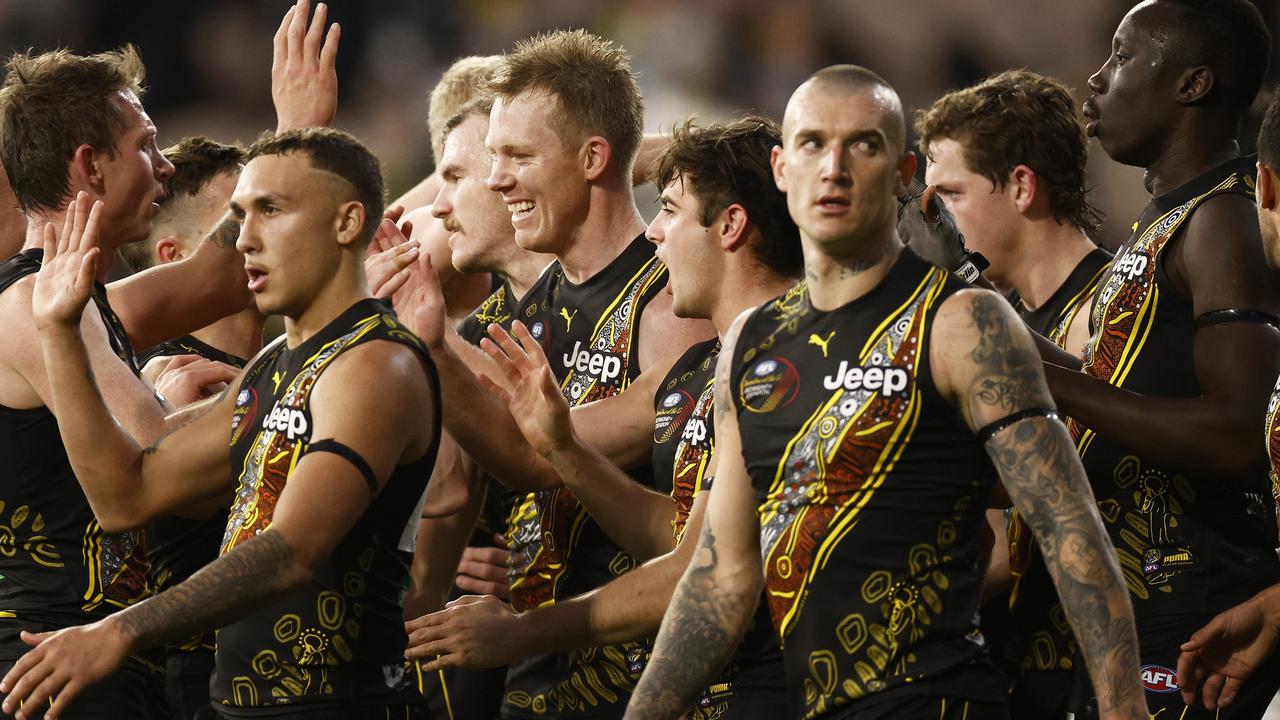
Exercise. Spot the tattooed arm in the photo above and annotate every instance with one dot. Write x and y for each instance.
(985, 362)
(180, 297)
(715, 598)
(376, 400)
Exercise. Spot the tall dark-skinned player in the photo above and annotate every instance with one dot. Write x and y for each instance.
(1185, 347)
(322, 448)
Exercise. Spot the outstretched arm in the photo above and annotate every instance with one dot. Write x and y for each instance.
(713, 603)
(984, 360)
(478, 631)
(637, 518)
(387, 423)
(126, 485)
(1219, 261)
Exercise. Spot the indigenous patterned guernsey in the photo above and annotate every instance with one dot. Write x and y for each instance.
(57, 567)
(589, 333)
(1188, 543)
(752, 686)
(871, 492)
(339, 640)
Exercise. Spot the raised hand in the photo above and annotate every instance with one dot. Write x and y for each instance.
(392, 262)
(60, 665)
(64, 284)
(927, 227)
(472, 631)
(535, 400)
(304, 80)
(423, 306)
(1223, 654)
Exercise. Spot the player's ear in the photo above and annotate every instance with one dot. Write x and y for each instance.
(596, 155)
(167, 250)
(1025, 185)
(1194, 85)
(779, 174)
(86, 170)
(733, 226)
(1266, 189)
(350, 222)
(906, 171)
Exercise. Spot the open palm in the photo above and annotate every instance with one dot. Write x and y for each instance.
(535, 401)
(64, 284)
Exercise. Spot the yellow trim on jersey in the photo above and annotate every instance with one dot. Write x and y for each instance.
(626, 289)
(1146, 318)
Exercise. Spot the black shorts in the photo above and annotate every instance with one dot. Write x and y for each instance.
(186, 679)
(1042, 695)
(925, 707)
(136, 690)
(462, 693)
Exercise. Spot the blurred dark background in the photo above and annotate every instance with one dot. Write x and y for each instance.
(208, 61)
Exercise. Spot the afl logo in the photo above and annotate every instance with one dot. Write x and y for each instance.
(1159, 679)
(769, 384)
(242, 417)
(537, 330)
(672, 414)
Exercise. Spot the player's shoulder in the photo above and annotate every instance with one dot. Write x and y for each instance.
(381, 368)
(970, 308)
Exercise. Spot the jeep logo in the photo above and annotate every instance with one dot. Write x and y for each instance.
(605, 366)
(885, 381)
(1132, 266)
(290, 421)
(695, 432)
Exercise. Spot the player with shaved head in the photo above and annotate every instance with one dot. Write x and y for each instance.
(861, 421)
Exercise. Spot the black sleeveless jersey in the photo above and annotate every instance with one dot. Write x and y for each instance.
(1273, 440)
(590, 334)
(1187, 542)
(683, 434)
(683, 440)
(340, 638)
(180, 546)
(57, 567)
(871, 492)
(1032, 632)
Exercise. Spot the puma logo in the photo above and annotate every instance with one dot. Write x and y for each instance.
(568, 319)
(821, 342)
(276, 377)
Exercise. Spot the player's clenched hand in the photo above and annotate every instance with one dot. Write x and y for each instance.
(304, 81)
(64, 284)
(472, 631)
(1220, 656)
(535, 400)
(61, 664)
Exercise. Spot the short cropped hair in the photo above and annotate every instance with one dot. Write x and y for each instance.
(459, 85)
(196, 161)
(51, 104)
(478, 106)
(339, 153)
(1269, 135)
(596, 91)
(1228, 36)
(1016, 118)
(726, 164)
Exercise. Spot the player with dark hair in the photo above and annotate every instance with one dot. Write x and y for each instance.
(332, 431)
(1185, 348)
(725, 234)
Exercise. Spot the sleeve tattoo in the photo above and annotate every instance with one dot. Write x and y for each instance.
(219, 593)
(1042, 473)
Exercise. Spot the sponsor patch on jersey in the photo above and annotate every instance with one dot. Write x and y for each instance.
(1159, 679)
(770, 383)
(294, 423)
(671, 414)
(1156, 561)
(884, 380)
(244, 413)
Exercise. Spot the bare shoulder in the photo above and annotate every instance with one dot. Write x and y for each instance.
(384, 369)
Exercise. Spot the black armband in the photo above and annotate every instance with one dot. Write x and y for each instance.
(1218, 317)
(330, 445)
(994, 428)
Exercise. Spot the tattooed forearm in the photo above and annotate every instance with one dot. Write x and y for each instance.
(225, 233)
(241, 580)
(702, 627)
(1044, 478)
(1008, 378)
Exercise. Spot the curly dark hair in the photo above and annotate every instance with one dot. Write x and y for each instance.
(1018, 118)
(727, 164)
